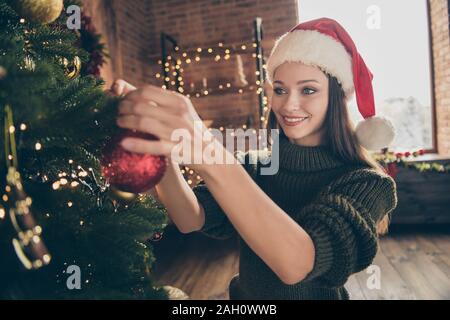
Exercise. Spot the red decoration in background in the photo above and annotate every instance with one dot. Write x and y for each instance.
(391, 161)
(392, 169)
(90, 41)
(407, 154)
(131, 172)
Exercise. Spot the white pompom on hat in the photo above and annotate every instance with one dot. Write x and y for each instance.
(325, 43)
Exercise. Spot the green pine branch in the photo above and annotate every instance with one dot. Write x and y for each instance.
(70, 119)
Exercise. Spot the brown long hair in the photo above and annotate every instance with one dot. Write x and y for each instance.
(340, 136)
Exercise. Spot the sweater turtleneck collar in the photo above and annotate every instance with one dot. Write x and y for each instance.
(294, 157)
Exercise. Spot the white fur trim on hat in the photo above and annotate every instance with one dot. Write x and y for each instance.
(313, 48)
(375, 133)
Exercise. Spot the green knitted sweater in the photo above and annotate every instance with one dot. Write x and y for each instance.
(337, 204)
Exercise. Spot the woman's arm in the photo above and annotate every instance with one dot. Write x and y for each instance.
(180, 201)
(271, 233)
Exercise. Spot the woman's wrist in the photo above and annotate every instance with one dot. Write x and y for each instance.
(208, 162)
(211, 166)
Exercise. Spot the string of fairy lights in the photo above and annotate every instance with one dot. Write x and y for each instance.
(74, 179)
(175, 66)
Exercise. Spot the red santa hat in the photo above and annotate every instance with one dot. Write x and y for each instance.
(325, 43)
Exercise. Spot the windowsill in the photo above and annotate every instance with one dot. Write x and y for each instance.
(429, 157)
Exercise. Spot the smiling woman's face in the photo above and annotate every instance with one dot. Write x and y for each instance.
(300, 102)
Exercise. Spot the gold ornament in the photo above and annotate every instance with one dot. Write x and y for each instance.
(40, 11)
(122, 196)
(27, 243)
(73, 69)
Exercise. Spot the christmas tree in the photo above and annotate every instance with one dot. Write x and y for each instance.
(63, 234)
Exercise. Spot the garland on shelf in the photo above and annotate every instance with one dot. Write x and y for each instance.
(391, 161)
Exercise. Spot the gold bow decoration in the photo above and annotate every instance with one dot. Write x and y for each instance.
(72, 68)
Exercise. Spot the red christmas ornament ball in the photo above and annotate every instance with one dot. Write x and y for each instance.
(128, 171)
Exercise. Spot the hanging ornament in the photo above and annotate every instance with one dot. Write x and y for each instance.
(27, 242)
(40, 11)
(131, 172)
(121, 196)
(72, 69)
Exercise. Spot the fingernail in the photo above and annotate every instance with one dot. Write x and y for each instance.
(127, 144)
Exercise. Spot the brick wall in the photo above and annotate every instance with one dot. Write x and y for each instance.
(123, 27)
(441, 60)
(132, 29)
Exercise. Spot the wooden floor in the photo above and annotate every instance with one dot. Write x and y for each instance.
(413, 263)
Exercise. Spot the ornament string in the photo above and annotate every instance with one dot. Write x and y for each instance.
(10, 140)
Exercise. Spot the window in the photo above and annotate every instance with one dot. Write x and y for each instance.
(393, 38)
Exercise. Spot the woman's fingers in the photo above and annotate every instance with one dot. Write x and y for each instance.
(159, 112)
(157, 148)
(164, 98)
(148, 109)
(146, 124)
(121, 87)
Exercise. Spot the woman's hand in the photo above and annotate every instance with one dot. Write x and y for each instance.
(121, 87)
(166, 114)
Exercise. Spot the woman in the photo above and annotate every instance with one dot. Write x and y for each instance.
(307, 228)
